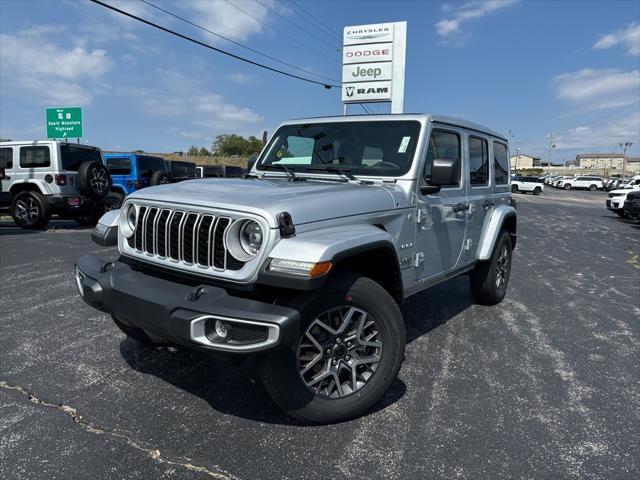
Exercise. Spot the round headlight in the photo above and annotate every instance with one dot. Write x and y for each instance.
(244, 239)
(128, 220)
(251, 237)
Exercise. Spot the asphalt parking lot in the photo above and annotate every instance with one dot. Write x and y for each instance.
(545, 385)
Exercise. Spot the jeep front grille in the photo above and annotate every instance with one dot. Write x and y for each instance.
(189, 238)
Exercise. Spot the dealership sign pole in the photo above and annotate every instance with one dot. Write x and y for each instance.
(373, 60)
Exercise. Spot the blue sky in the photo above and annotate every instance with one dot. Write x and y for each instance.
(532, 67)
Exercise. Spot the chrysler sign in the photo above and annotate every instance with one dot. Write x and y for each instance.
(373, 59)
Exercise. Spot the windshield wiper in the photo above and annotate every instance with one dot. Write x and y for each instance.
(290, 174)
(333, 169)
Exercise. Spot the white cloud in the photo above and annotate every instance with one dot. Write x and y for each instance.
(242, 78)
(31, 64)
(629, 37)
(225, 19)
(598, 89)
(450, 29)
(602, 136)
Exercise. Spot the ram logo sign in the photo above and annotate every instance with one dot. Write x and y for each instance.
(373, 58)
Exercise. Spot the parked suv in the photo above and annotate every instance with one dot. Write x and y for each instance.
(616, 198)
(527, 184)
(305, 262)
(219, 171)
(51, 177)
(180, 170)
(583, 182)
(131, 172)
(632, 205)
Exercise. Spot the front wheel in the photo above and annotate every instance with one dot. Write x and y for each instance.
(567, 186)
(348, 353)
(489, 279)
(29, 210)
(514, 188)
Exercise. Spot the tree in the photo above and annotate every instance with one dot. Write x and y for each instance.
(193, 151)
(235, 145)
(203, 152)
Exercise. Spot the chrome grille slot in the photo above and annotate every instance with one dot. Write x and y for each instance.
(161, 235)
(203, 240)
(188, 231)
(140, 228)
(174, 235)
(219, 249)
(189, 240)
(149, 230)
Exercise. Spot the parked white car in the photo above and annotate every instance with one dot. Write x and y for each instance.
(559, 183)
(526, 184)
(584, 182)
(616, 198)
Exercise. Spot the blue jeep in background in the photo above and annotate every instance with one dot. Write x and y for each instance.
(131, 172)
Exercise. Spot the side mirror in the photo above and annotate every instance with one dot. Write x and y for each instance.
(443, 173)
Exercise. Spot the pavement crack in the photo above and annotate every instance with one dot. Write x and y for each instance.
(90, 427)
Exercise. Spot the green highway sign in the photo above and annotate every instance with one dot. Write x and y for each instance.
(65, 122)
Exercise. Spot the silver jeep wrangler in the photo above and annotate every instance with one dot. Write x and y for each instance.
(305, 262)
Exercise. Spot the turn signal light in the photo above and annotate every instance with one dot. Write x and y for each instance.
(295, 267)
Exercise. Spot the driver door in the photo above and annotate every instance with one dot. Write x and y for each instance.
(441, 217)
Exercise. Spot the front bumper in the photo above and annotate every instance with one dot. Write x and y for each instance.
(183, 314)
(614, 205)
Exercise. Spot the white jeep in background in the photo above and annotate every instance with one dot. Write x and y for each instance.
(616, 198)
(526, 184)
(585, 182)
(48, 177)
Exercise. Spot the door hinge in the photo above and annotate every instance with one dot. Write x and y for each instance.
(467, 244)
(418, 259)
(421, 214)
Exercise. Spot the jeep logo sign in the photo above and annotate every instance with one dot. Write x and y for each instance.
(366, 92)
(360, 72)
(373, 64)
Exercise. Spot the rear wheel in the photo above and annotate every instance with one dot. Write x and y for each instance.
(29, 210)
(114, 200)
(489, 279)
(160, 178)
(349, 352)
(593, 187)
(514, 188)
(537, 191)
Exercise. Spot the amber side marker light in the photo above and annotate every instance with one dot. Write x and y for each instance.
(295, 267)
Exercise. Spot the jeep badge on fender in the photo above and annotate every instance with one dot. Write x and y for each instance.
(304, 263)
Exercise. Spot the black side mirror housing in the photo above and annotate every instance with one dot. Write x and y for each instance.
(444, 172)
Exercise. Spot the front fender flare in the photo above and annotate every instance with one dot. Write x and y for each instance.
(492, 230)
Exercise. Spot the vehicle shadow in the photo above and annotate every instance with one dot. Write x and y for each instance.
(9, 228)
(435, 306)
(236, 391)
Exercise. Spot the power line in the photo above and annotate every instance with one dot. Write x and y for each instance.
(295, 24)
(365, 108)
(319, 26)
(279, 31)
(330, 30)
(219, 50)
(236, 43)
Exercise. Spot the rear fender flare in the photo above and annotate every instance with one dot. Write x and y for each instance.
(500, 216)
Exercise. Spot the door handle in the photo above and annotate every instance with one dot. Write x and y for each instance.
(460, 207)
(488, 203)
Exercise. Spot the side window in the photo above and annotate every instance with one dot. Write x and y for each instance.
(6, 158)
(478, 161)
(500, 164)
(442, 145)
(148, 165)
(119, 165)
(34, 157)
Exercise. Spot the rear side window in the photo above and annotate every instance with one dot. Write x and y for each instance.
(6, 157)
(478, 161)
(148, 165)
(183, 169)
(73, 156)
(119, 165)
(500, 163)
(443, 145)
(35, 157)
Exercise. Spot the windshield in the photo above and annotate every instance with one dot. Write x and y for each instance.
(73, 156)
(373, 148)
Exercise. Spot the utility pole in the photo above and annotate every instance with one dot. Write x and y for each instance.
(551, 146)
(624, 146)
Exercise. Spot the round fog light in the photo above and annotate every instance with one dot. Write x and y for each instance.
(222, 329)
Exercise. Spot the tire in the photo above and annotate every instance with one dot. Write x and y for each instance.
(282, 372)
(537, 191)
(94, 180)
(593, 187)
(30, 211)
(138, 334)
(484, 277)
(159, 178)
(514, 189)
(567, 186)
(113, 201)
